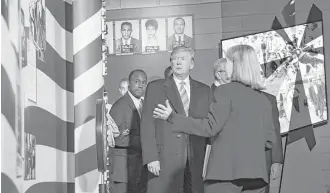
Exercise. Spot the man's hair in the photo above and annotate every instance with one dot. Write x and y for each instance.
(123, 80)
(151, 22)
(167, 71)
(218, 63)
(126, 23)
(178, 49)
(184, 22)
(246, 67)
(135, 71)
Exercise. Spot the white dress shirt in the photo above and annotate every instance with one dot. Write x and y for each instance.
(217, 83)
(186, 86)
(137, 102)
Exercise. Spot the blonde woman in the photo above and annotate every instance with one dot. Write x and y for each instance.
(237, 120)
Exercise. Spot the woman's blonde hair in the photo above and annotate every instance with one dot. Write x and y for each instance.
(246, 67)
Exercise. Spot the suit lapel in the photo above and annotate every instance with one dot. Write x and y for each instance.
(193, 96)
(132, 106)
(173, 95)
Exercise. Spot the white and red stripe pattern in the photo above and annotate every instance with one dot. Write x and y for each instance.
(9, 81)
(88, 86)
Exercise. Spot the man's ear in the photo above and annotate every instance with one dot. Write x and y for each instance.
(218, 75)
(192, 64)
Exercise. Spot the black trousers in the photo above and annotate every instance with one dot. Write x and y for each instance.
(187, 185)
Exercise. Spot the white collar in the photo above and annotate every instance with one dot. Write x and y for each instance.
(179, 35)
(128, 41)
(135, 100)
(217, 83)
(178, 81)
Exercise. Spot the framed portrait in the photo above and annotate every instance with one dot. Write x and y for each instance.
(30, 156)
(153, 35)
(179, 32)
(37, 19)
(127, 37)
(294, 68)
(109, 37)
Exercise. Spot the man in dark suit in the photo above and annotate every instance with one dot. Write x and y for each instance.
(127, 44)
(175, 161)
(274, 156)
(179, 38)
(129, 174)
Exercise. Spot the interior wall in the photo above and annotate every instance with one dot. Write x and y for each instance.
(207, 34)
(50, 119)
(305, 171)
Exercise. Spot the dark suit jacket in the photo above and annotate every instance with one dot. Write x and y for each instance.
(237, 119)
(275, 154)
(127, 163)
(160, 143)
(213, 87)
(188, 42)
(135, 42)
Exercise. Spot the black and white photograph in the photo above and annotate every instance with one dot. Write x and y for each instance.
(30, 157)
(24, 35)
(37, 19)
(109, 37)
(127, 37)
(179, 32)
(153, 35)
(282, 60)
(19, 133)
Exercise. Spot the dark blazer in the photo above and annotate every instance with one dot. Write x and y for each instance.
(237, 119)
(135, 42)
(160, 143)
(127, 159)
(188, 42)
(275, 154)
(213, 87)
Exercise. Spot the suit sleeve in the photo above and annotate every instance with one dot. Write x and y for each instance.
(277, 150)
(207, 127)
(147, 128)
(117, 113)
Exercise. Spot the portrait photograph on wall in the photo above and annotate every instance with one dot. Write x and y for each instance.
(180, 32)
(127, 37)
(24, 34)
(109, 37)
(153, 35)
(37, 19)
(292, 61)
(30, 156)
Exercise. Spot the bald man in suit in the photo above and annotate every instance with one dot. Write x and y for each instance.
(129, 174)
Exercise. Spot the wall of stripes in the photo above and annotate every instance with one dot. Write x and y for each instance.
(51, 118)
(10, 80)
(89, 85)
